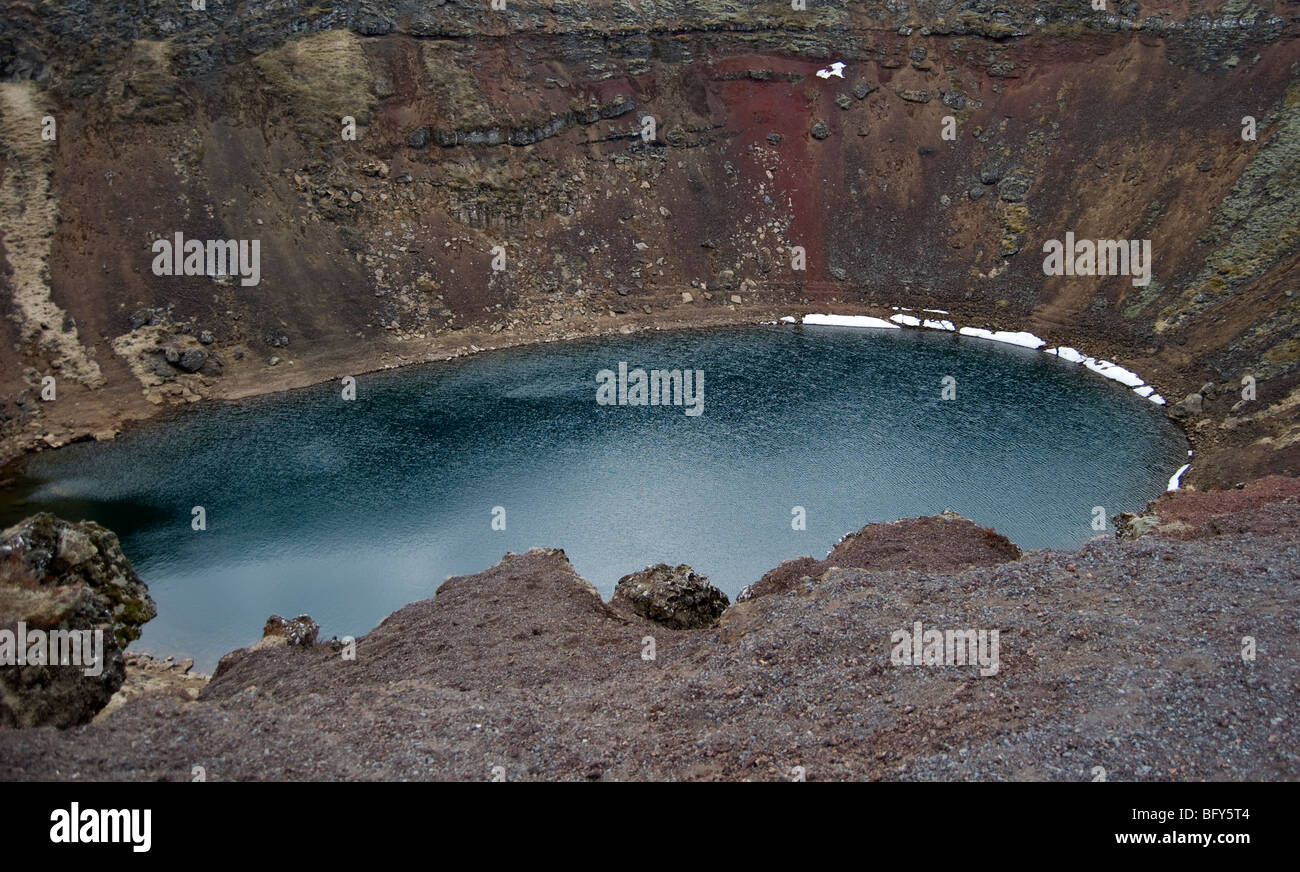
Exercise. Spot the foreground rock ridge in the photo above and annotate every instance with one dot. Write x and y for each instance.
(523, 129)
(1167, 657)
(70, 583)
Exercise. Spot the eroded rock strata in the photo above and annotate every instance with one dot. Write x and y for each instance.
(1162, 658)
(521, 137)
(523, 129)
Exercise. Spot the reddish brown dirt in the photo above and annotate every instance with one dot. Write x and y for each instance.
(1124, 655)
(1191, 515)
(906, 544)
(888, 211)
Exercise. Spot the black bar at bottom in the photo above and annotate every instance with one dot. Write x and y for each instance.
(257, 821)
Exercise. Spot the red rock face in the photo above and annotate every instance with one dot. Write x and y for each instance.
(376, 252)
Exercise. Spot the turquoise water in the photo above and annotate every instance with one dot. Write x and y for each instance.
(347, 510)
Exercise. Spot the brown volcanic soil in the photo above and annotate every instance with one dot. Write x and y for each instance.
(375, 251)
(943, 542)
(1123, 655)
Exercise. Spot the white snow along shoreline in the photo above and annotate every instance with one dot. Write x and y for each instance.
(1104, 368)
(848, 321)
(1025, 340)
(1175, 480)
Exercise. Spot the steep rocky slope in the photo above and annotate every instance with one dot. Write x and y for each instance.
(523, 129)
(1165, 658)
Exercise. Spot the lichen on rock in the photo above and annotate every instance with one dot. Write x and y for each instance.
(675, 596)
(280, 631)
(43, 557)
(62, 580)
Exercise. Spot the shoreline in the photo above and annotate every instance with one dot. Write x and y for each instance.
(728, 320)
(316, 369)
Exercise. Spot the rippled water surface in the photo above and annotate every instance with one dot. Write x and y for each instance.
(349, 510)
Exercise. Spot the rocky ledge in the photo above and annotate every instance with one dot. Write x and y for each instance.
(1165, 657)
(70, 603)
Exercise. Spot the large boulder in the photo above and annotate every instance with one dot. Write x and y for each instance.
(1129, 525)
(279, 632)
(193, 359)
(674, 596)
(69, 604)
(1190, 406)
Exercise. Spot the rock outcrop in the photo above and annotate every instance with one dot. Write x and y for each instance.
(69, 597)
(148, 677)
(675, 596)
(280, 631)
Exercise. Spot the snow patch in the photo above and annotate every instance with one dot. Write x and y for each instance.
(1066, 353)
(1105, 368)
(1101, 367)
(1174, 479)
(1114, 371)
(1025, 340)
(848, 321)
